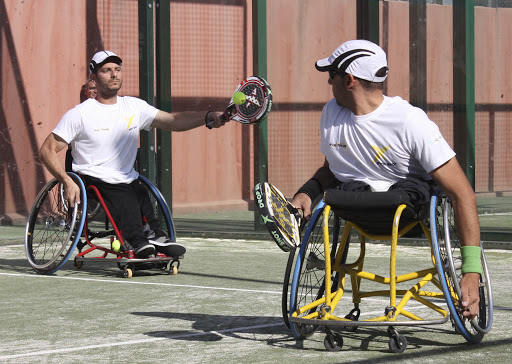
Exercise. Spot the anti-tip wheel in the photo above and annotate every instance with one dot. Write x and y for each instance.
(128, 273)
(173, 270)
(78, 264)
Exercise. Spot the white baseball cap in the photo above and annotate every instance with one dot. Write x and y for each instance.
(102, 57)
(361, 58)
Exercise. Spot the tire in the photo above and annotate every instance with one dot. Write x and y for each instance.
(162, 210)
(288, 273)
(446, 247)
(308, 282)
(53, 229)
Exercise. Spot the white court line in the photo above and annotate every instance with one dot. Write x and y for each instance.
(136, 342)
(495, 214)
(141, 283)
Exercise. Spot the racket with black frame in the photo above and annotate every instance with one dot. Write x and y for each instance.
(257, 104)
(282, 220)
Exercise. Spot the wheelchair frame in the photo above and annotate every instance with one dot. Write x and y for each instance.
(54, 230)
(318, 282)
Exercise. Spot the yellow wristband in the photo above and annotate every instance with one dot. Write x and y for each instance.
(471, 261)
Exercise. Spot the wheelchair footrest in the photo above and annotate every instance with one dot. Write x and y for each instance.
(336, 323)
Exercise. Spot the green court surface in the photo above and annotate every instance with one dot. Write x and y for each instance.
(224, 306)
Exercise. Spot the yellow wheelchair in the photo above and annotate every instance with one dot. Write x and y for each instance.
(426, 296)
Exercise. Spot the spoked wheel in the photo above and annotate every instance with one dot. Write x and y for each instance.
(448, 262)
(53, 229)
(160, 207)
(289, 270)
(308, 283)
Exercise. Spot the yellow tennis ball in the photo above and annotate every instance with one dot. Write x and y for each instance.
(239, 98)
(116, 246)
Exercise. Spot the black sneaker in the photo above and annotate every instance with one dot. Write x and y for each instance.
(165, 246)
(144, 250)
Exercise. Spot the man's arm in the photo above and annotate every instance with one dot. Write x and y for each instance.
(186, 120)
(325, 178)
(454, 183)
(48, 156)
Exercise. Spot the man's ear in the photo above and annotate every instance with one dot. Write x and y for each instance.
(349, 81)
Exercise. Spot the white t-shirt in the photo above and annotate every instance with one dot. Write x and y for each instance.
(104, 138)
(394, 142)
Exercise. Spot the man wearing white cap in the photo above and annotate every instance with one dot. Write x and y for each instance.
(373, 142)
(104, 134)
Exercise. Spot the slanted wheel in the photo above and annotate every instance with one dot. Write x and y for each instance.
(288, 273)
(308, 282)
(446, 246)
(161, 208)
(53, 229)
(286, 283)
(397, 342)
(333, 342)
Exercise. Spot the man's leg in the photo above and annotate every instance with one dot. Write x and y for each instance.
(160, 240)
(123, 205)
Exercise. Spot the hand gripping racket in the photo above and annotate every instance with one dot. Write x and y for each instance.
(257, 104)
(280, 217)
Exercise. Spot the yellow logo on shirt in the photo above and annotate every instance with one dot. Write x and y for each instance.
(130, 122)
(380, 152)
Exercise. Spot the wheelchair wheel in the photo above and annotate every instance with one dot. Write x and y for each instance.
(288, 273)
(446, 246)
(308, 282)
(162, 210)
(53, 229)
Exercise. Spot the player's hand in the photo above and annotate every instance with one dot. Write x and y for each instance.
(302, 202)
(469, 289)
(213, 119)
(71, 192)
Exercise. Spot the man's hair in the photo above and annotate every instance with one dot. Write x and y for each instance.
(369, 85)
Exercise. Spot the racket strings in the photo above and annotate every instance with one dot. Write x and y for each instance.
(283, 217)
(254, 100)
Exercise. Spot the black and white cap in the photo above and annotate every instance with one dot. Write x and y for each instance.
(102, 57)
(361, 58)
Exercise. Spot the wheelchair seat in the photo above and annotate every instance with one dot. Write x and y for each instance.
(374, 211)
(320, 269)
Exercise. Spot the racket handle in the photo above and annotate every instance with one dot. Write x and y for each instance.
(224, 118)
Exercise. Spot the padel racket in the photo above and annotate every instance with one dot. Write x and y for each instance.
(257, 104)
(280, 217)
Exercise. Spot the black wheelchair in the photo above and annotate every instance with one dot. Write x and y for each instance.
(317, 270)
(54, 230)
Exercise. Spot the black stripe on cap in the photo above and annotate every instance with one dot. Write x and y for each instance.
(349, 60)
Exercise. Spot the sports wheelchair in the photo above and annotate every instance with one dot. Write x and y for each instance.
(54, 229)
(318, 273)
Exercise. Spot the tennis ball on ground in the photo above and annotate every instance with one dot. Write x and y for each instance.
(239, 98)
(116, 246)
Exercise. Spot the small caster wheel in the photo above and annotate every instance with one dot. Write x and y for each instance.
(397, 343)
(333, 342)
(78, 264)
(173, 270)
(128, 273)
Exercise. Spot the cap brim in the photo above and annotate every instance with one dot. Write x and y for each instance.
(323, 65)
